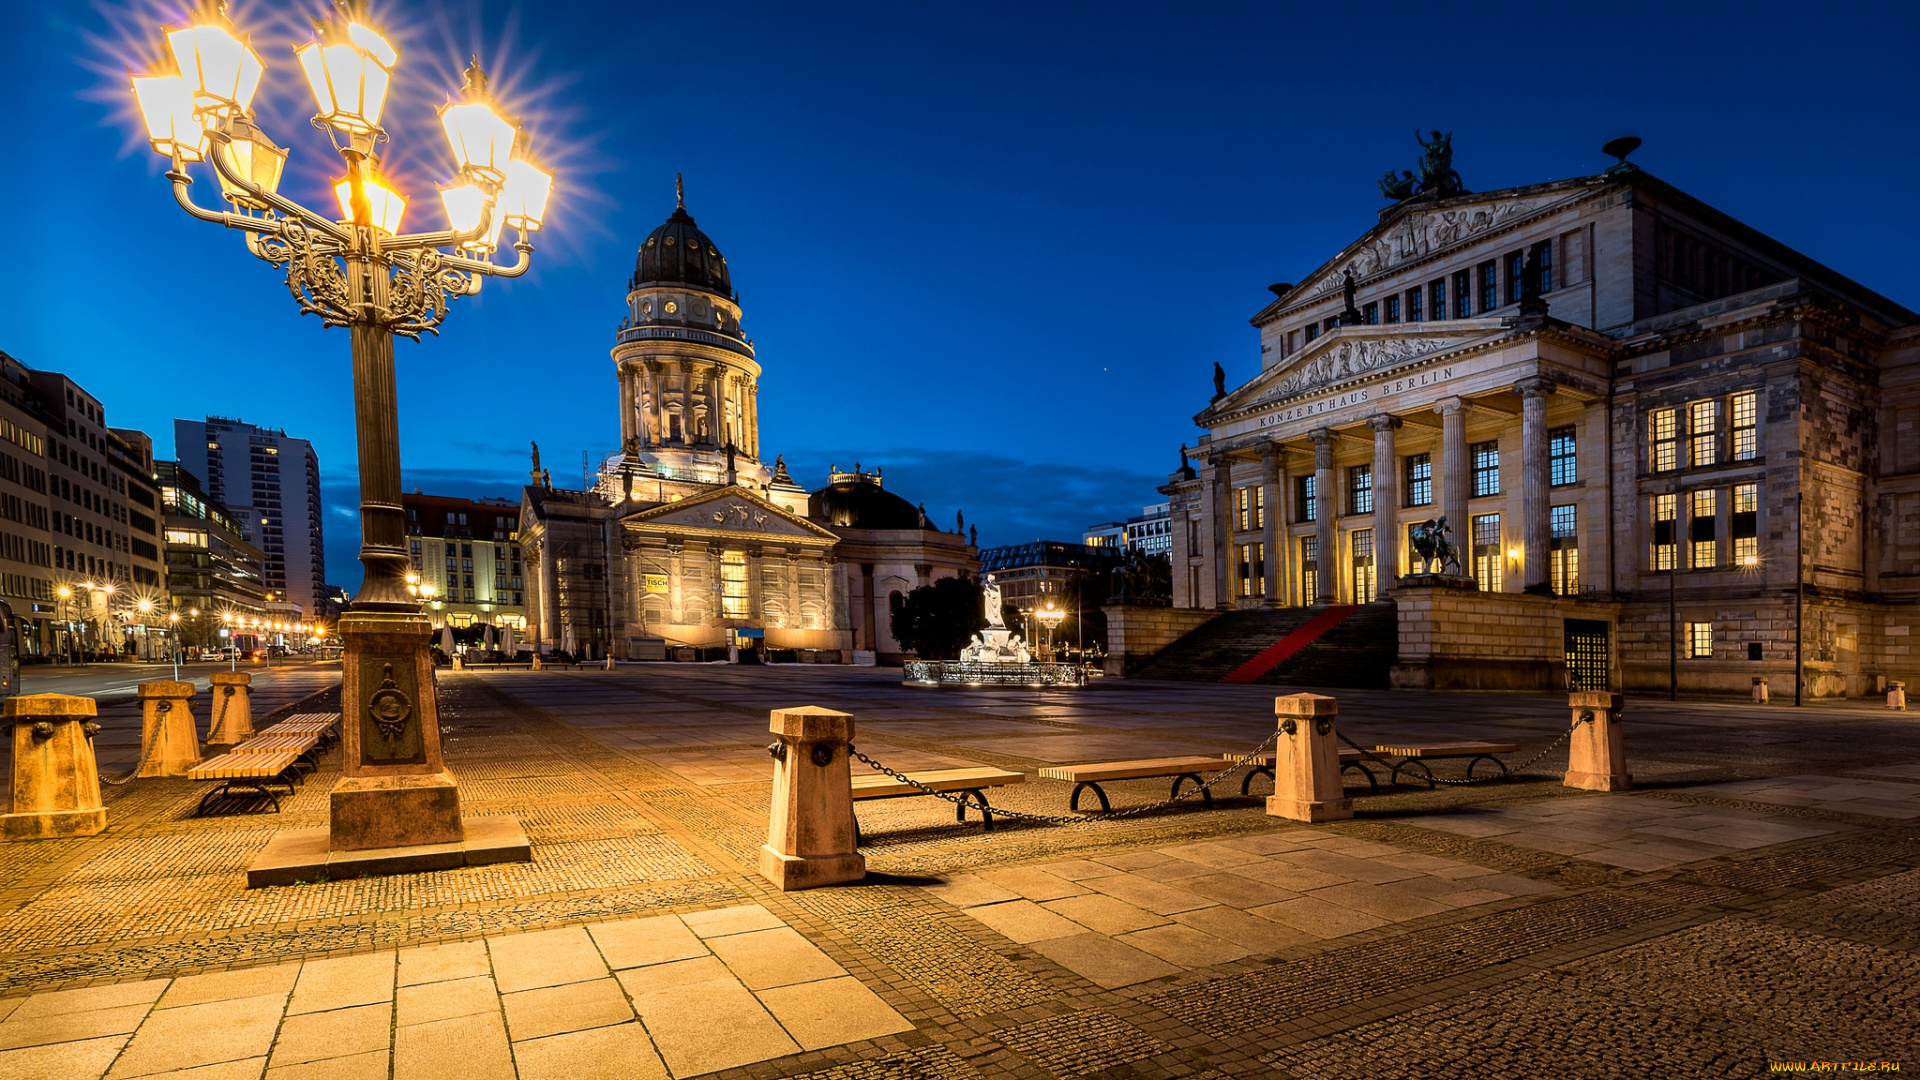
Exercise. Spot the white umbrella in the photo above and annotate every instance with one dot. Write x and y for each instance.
(489, 635)
(446, 640)
(506, 641)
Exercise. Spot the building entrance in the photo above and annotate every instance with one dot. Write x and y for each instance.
(1588, 655)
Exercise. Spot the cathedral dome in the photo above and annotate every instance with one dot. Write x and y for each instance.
(856, 500)
(678, 253)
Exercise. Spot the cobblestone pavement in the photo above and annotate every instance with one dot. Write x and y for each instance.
(1753, 900)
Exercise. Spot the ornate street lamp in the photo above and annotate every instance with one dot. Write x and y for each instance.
(1050, 617)
(361, 272)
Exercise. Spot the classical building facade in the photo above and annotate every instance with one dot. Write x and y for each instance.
(1668, 447)
(469, 551)
(687, 538)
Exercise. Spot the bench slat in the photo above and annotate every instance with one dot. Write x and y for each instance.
(881, 786)
(242, 766)
(1447, 749)
(1101, 771)
(1346, 754)
(277, 744)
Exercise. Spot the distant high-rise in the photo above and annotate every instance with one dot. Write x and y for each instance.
(271, 483)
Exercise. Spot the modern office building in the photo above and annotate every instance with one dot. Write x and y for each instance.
(270, 482)
(1151, 533)
(212, 570)
(469, 551)
(1108, 534)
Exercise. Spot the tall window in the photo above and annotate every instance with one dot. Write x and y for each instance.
(1438, 290)
(1370, 314)
(1666, 527)
(733, 584)
(1703, 432)
(1487, 559)
(1250, 507)
(1544, 251)
(1564, 542)
(1393, 308)
(1309, 569)
(1703, 528)
(1663, 439)
(1700, 641)
(1363, 568)
(1516, 273)
(1486, 468)
(1253, 569)
(1561, 454)
(1489, 286)
(1745, 525)
(1463, 294)
(1420, 480)
(1313, 331)
(1746, 425)
(1360, 489)
(1413, 305)
(1305, 497)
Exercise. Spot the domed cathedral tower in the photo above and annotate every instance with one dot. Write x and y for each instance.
(689, 384)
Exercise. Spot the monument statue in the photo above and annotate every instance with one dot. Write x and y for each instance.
(1219, 381)
(1350, 288)
(924, 522)
(536, 455)
(996, 616)
(1436, 177)
(1432, 548)
(973, 536)
(996, 644)
(1531, 302)
(960, 524)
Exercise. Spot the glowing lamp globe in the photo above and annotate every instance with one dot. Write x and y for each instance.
(166, 106)
(466, 206)
(219, 66)
(348, 67)
(255, 158)
(481, 138)
(385, 203)
(523, 198)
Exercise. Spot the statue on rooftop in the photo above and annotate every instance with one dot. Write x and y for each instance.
(1219, 381)
(1436, 176)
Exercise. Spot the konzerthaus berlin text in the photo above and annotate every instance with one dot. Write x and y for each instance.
(1684, 452)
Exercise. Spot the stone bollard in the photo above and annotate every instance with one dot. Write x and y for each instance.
(459, 662)
(169, 743)
(1759, 690)
(56, 781)
(1597, 756)
(609, 663)
(810, 839)
(232, 720)
(1897, 696)
(536, 661)
(1306, 761)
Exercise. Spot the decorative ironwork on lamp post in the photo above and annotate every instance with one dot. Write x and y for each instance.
(362, 273)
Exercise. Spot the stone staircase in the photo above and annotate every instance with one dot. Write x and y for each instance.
(1356, 652)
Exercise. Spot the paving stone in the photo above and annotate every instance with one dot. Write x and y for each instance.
(339, 1033)
(1235, 890)
(462, 1048)
(1214, 855)
(230, 985)
(76, 1060)
(684, 1003)
(544, 958)
(1103, 914)
(343, 981)
(1185, 946)
(443, 963)
(1285, 875)
(68, 1027)
(969, 890)
(1103, 961)
(1148, 895)
(620, 1052)
(556, 1010)
(248, 1069)
(90, 999)
(1385, 901)
(1257, 934)
(1024, 921)
(427, 1002)
(831, 1012)
(374, 1065)
(638, 942)
(1081, 1042)
(768, 958)
(194, 1035)
(734, 920)
(1032, 883)
(1318, 917)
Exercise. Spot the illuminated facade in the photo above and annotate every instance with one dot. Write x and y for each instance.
(469, 551)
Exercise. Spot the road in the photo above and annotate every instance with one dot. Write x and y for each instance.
(117, 681)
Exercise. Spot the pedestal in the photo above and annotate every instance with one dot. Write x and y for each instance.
(1597, 755)
(169, 742)
(56, 781)
(394, 789)
(810, 837)
(232, 722)
(1306, 761)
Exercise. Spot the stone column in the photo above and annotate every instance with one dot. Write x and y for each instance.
(1221, 490)
(232, 720)
(1386, 502)
(1306, 761)
(55, 789)
(628, 436)
(756, 609)
(675, 593)
(753, 423)
(793, 590)
(1455, 477)
(1597, 755)
(1270, 531)
(685, 397)
(1536, 484)
(1326, 515)
(811, 835)
(654, 381)
(169, 743)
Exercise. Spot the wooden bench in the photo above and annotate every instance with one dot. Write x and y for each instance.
(1093, 774)
(1414, 756)
(253, 770)
(322, 729)
(971, 783)
(1349, 759)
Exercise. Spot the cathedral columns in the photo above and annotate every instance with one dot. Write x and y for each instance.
(753, 420)
(1271, 485)
(628, 410)
(1454, 476)
(1221, 488)
(1326, 514)
(793, 590)
(676, 612)
(1386, 503)
(1535, 483)
(756, 607)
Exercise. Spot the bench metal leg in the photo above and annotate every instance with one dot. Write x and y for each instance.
(1246, 782)
(1373, 784)
(1073, 803)
(979, 798)
(1415, 767)
(1205, 795)
(1489, 757)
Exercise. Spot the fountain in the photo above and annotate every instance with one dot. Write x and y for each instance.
(996, 656)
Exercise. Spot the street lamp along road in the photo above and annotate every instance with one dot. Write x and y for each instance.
(361, 273)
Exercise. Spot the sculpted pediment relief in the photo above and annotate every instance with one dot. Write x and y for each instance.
(1423, 233)
(1335, 359)
(730, 510)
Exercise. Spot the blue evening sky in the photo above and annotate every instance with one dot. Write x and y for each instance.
(993, 248)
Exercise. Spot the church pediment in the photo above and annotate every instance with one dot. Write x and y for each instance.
(732, 511)
(1352, 352)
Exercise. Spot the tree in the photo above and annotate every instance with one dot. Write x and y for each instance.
(935, 621)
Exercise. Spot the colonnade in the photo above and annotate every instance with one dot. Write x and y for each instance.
(709, 390)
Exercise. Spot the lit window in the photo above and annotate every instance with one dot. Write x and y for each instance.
(1746, 425)
(1745, 525)
(1700, 640)
(1420, 480)
(1363, 568)
(1489, 286)
(1250, 507)
(1360, 489)
(1486, 468)
(1309, 569)
(1487, 557)
(1304, 493)
(1313, 331)
(1703, 431)
(1703, 509)
(1666, 522)
(1663, 437)
(733, 585)
(1561, 451)
(1438, 290)
(1463, 294)
(1565, 553)
(1253, 569)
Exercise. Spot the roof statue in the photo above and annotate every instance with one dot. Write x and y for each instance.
(780, 474)
(536, 459)
(1219, 381)
(973, 536)
(925, 521)
(1350, 287)
(1531, 302)
(679, 192)
(959, 521)
(1437, 176)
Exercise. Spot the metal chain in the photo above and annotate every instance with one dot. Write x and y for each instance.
(1585, 718)
(1069, 819)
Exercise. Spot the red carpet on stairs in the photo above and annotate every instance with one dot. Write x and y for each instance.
(1277, 653)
